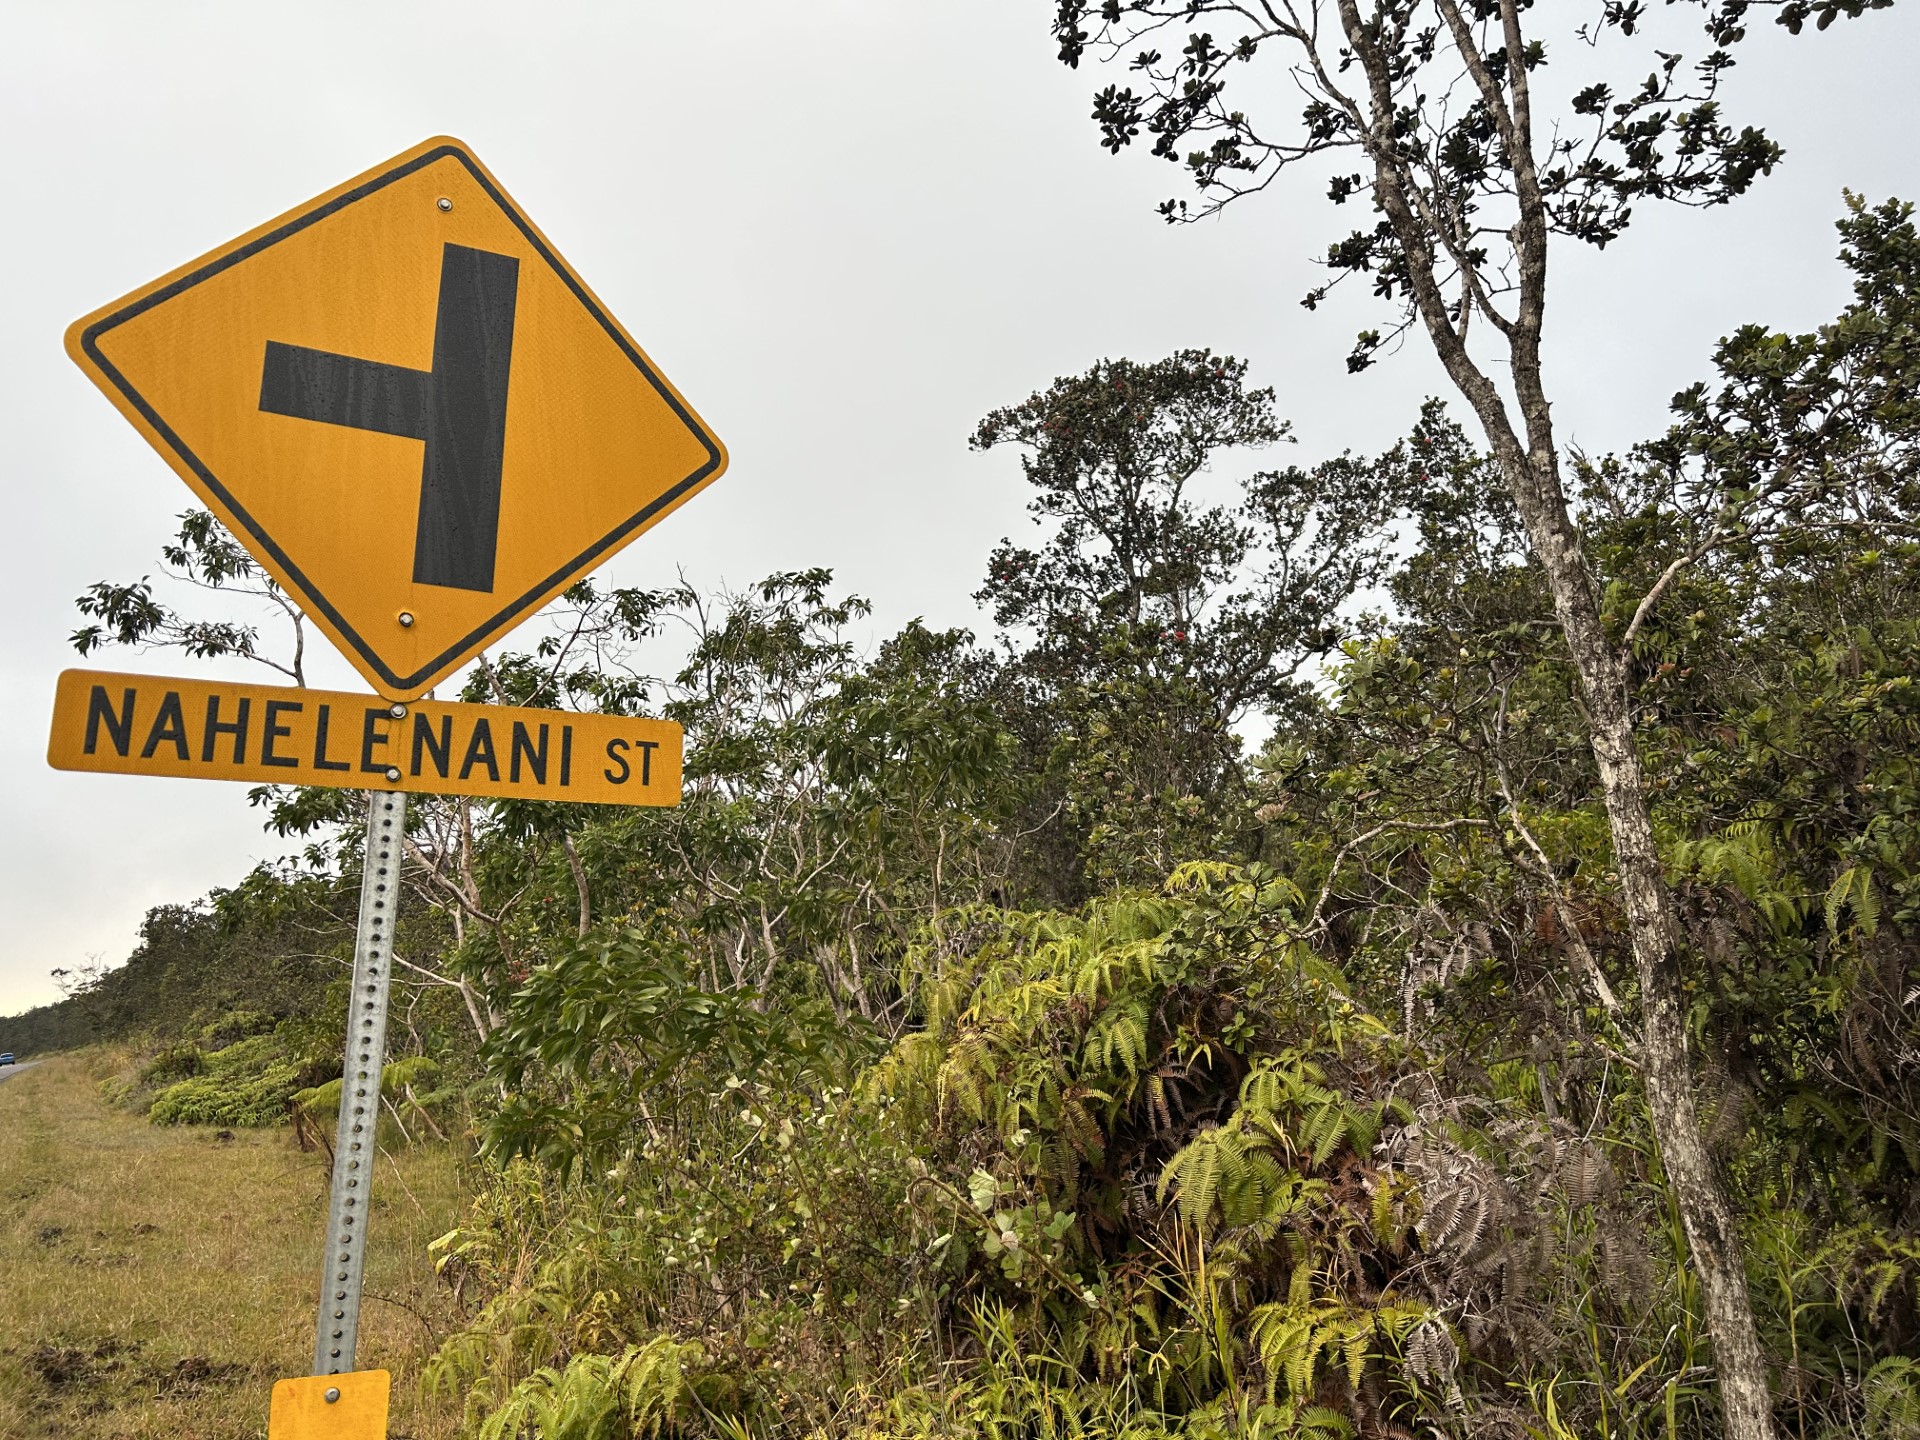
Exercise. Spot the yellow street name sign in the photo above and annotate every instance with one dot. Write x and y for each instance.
(213, 730)
(407, 406)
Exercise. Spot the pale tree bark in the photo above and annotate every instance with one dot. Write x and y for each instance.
(1529, 462)
(580, 888)
(447, 879)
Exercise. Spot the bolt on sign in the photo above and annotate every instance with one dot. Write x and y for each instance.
(421, 422)
(407, 406)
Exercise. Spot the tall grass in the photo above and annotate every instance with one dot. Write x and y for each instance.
(155, 1281)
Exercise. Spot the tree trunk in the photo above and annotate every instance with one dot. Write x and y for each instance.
(1531, 468)
(1706, 1214)
(580, 888)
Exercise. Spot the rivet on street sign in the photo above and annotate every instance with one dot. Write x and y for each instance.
(407, 406)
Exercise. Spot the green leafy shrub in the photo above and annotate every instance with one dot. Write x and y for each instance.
(663, 1146)
(236, 1025)
(1156, 1153)
(173, 1062)
(243, 1056)
(636, 1395)
(1892, 1391)
(117, 1089)
(406, 1084)
(248, 1084)
(253, 1100)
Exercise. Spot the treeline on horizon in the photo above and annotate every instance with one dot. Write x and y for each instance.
(991, 1043)
(193, 962)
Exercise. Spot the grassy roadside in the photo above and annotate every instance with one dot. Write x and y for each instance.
(156, 1281)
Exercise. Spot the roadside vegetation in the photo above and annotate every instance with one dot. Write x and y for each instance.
(990, 1045)
(1522, 1041)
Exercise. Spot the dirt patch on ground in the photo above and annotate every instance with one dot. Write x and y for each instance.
(90, 1371)
(195, 1374)
(63, 1367)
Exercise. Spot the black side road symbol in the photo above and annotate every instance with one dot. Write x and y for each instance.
(459, 408)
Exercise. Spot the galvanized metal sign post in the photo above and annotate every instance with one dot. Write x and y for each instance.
(344, 1269)
(421, 422)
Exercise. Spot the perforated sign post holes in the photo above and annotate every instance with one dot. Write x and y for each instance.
(421, 422)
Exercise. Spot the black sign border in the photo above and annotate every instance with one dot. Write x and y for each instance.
(502, 618)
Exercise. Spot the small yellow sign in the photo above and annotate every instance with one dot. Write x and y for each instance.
(407, 406)
(214, 730)
(300, 1409)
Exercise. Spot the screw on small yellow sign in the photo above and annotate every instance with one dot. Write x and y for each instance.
(352, 1406)
(407, 407)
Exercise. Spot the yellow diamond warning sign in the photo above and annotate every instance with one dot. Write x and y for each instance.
(407, 406)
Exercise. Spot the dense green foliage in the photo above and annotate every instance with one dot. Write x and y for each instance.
(245, 1084)
(991, 1047)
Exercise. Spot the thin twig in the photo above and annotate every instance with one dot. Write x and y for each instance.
(1333, 871)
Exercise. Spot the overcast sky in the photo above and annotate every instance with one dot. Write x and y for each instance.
(845, 229)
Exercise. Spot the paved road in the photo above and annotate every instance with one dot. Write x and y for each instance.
(7, 1072)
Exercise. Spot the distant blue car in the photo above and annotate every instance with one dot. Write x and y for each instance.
(6, 1057)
